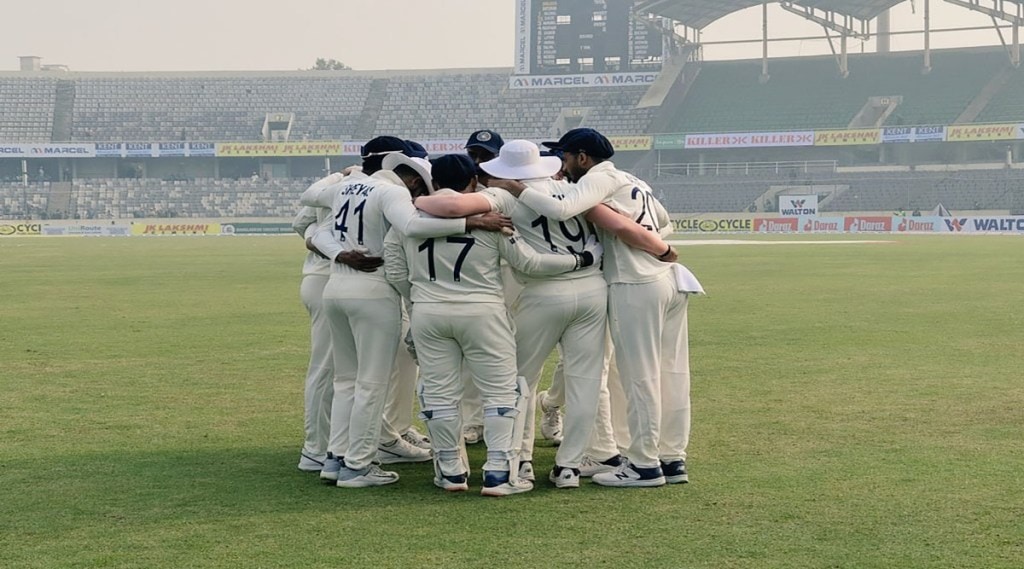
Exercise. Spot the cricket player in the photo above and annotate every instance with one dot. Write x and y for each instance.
(400, 441)
(318, 390)
(482, 145)
(568, 309)
(458, 312)
(647, 315)
(363, 309)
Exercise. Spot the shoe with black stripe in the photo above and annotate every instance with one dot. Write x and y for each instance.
(630, 476)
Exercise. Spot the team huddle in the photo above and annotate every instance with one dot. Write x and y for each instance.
(468, 271)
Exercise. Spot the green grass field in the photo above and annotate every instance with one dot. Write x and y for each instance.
(854, 406)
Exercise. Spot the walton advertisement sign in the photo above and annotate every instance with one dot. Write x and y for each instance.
(1007, 224)
(806, 205)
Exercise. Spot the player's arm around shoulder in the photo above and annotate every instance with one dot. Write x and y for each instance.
(630, 232)
(322, 192)
(576, 199)
(396, 204)
(453, 205)
(305, 219)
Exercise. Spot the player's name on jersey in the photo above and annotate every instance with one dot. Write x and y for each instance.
(357, 189)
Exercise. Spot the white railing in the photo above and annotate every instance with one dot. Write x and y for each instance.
(746, 168)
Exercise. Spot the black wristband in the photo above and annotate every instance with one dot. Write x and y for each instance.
(666, 253)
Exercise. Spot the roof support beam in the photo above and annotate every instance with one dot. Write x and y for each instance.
(829, 20)
(999, 11)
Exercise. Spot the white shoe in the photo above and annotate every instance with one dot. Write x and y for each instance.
(332, 465)
(564, 477)
(526, 471)
(399, 450)
(457, 483)
(629, 476)
(551, 422)
(416, 438)
(369, 476)
(497, 483)
(311, 463)
(590, 467)
(473, 434)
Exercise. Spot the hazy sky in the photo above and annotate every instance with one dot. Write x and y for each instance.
(202, 35)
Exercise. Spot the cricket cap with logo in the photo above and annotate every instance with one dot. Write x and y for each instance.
(486, 139)
(586, 140)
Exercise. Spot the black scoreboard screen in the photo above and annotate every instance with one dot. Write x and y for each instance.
(584, 36)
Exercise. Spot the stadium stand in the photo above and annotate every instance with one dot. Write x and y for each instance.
(202, 197)
(452, 106)
(1008, 103)
(808, 93)
(215, 109)
(26, 109)
(963, 190)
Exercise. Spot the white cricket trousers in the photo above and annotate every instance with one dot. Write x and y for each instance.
(398, 408)
(610, 436)
(366, 325)
(472, 408)
(319, 389)
(648, 327)
(572, 313)
(479, 334)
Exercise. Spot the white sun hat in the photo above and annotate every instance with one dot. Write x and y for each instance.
(420, 165)
(521, 160)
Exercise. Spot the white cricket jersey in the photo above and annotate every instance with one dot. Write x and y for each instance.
(542, 234)
(364, 210)
(623, 192)
(308, 219)
(306, 223)
(464, 268)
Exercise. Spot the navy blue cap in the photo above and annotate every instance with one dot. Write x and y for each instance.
(583, 140)
(416, 150)
(382, 145)
(486, 139)
(453, 171)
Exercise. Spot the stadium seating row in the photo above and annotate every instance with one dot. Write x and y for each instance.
(886, 191)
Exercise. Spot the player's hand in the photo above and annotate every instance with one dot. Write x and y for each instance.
(513, 187)
(352, 170)
(489, 222)
(591, 255)
(359, 261)
(410, 346)
(670, 256)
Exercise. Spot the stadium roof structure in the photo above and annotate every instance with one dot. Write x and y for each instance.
(698, 14)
